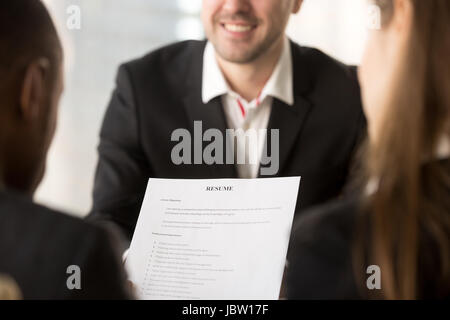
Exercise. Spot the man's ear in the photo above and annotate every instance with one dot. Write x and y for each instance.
(297, 6)
(33, 89)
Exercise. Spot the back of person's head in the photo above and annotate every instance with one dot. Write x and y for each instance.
(412, 106)
(30, 87)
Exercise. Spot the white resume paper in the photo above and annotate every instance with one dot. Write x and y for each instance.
(213, 239)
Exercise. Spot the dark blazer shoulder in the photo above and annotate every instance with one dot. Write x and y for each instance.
(323, 78)
(333, 221)
(162, 73)
(43, 241)
(320, 257)
(320, 63)
(16, 207)
(167, 59)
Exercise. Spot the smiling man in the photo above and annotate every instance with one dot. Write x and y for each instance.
(246, 76)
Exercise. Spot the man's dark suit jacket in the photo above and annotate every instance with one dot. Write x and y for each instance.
(162, 92)
(37, 245)
(322, 256)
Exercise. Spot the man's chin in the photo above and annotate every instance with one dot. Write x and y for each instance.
(238, 54)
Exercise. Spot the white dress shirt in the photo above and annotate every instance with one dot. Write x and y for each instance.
(244, 115)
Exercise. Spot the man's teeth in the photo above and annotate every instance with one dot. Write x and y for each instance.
(237, 28)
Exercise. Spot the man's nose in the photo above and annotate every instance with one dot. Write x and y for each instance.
(234, 6)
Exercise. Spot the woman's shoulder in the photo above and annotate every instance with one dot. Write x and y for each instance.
(337, 217)
(320, 255)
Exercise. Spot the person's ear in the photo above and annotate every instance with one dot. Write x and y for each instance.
(297, 6)
(33, 89)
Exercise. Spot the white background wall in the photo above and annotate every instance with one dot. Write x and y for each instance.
(115, 31)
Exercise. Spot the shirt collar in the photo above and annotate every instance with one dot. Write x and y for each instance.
(279, 85)
(214, 83)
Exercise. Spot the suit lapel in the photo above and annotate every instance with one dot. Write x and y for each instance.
(291, 119)
(211, 114)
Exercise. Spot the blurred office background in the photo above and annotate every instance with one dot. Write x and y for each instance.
(115, 31)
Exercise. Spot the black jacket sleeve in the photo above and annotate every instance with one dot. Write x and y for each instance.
(122, 172)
